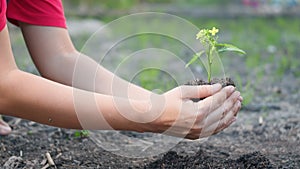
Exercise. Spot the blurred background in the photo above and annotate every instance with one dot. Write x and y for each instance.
(268, 30)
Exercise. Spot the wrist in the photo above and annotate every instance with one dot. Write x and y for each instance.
(124, 114)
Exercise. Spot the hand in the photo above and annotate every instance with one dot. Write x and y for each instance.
(181, 117)
(4, 127)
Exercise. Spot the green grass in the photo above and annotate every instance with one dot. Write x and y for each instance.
(127, 4)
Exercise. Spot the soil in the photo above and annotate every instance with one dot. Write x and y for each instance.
(223, 81)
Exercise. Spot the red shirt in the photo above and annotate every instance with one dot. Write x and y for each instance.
(37, 12)
(2, 14)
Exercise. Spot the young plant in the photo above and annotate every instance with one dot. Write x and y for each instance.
(208, 38)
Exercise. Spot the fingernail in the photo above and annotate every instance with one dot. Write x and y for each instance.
(5, 130)
(238, 106)
(241, 98)
(232, 120)
(216, 87)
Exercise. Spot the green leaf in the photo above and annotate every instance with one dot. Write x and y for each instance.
(77, 134)
(223, 47)
(195, 57)
(81, 133)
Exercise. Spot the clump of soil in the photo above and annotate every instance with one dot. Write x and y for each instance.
(224, 82)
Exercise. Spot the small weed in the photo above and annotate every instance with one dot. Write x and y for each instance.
(81, 133)
(30, 132)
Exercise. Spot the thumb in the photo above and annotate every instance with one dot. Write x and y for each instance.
(4, 128)
(190, 92)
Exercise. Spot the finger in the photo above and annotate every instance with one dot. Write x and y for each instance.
(229, 119)
(239, 108)
(213, 129)
(5, 129)
(183, 132)
(241, 99)
(223, 110)
(223, 123)
(208, 130)
(211, 103)
(189, 92)
(192, 136)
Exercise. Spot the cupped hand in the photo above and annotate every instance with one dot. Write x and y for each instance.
(180, 116)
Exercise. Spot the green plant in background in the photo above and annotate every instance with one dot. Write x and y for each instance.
(212, 48)
(155, 80)
(247, 90)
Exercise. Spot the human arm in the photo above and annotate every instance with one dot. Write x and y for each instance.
(35, 98)
(55, 57)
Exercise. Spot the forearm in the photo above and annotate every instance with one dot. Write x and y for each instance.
(34, 98)
(89, 75)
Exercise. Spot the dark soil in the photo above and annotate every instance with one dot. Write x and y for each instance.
(224, 82)
(202, 159)
(253, 145)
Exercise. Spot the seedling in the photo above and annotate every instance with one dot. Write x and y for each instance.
(208, 38)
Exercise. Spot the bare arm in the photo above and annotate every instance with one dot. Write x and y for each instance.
(55, 57)
(35, 98)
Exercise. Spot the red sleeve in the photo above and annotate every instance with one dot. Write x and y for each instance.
(2, 14)
(37, 12)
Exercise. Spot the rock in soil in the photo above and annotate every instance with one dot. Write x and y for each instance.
(13, 162)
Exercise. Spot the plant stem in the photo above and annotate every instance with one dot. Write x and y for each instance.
(209, 53)
(209, 73)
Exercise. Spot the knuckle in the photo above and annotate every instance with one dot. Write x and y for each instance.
(222, 125)
(205, 89)
(179, 89)
(226, 108)
(183, 90)
(202, 113)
